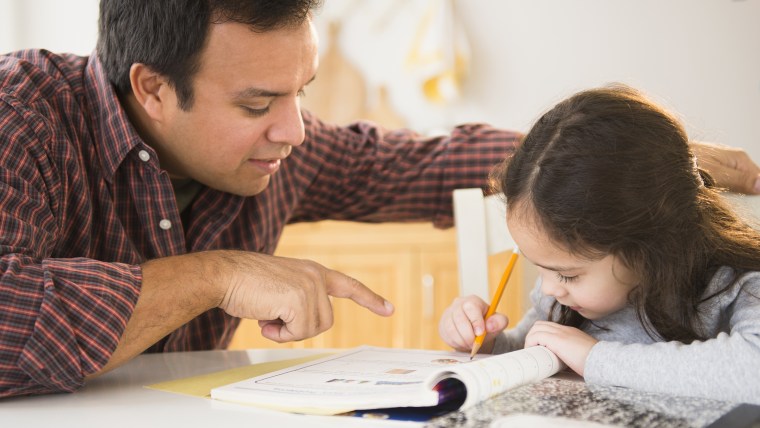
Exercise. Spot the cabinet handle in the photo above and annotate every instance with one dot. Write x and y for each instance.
(428, 296)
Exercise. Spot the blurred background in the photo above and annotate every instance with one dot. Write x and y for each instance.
(432, 64)
(429, 64)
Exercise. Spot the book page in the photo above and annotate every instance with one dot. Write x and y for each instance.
(491, 376)
(362, 378)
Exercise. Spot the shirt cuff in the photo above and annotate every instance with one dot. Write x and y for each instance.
(85, 308)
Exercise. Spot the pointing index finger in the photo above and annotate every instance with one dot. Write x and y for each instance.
(344, 286)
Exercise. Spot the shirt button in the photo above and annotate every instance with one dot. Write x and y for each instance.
(165, 224)
(143, 155)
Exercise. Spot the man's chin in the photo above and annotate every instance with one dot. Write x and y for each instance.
(250, 189)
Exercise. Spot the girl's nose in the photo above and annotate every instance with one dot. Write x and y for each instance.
(552, 287)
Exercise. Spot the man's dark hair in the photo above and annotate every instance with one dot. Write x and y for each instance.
(169, 35)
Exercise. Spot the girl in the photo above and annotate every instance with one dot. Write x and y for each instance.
(648, 280)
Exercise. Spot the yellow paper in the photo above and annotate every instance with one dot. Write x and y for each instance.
(200, 386)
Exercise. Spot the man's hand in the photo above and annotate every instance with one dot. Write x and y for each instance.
(289, 297)
(731, 167)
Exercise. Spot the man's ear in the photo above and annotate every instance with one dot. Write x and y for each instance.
(151, 90)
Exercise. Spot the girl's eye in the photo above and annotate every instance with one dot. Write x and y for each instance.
(566, 279)
(255, 112)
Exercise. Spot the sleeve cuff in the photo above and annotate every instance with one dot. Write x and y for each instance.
(79, 323)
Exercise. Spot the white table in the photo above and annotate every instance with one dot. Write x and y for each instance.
(120, 399)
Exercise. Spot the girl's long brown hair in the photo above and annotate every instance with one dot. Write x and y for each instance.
(607, 171)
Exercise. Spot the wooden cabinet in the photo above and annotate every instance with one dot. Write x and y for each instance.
(412, 265)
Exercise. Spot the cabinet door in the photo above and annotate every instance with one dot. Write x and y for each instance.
(438, 283)
(388, 274)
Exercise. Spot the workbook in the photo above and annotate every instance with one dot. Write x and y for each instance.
(383, 381)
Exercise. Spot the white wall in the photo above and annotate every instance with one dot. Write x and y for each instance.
(699, 57)
(58, 26)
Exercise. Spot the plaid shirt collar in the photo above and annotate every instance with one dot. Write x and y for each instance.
(114, 134)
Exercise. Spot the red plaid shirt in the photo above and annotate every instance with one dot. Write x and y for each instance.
(83, 200)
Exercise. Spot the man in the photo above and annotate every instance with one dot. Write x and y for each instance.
(144, 187)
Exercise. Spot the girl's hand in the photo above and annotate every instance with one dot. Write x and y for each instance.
(463, 320)
(571, 345)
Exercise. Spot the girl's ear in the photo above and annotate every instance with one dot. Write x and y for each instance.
(150, 90)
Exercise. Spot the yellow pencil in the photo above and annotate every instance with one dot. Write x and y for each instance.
(495, 301)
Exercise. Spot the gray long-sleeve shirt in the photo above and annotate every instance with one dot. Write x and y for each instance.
(725, 367)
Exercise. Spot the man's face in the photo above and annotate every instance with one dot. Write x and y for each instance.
(245, 117)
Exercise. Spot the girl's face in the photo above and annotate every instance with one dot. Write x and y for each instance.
(593, 288)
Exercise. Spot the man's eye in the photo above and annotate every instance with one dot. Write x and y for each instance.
(255, 112)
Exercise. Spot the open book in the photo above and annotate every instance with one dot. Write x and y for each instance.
(370, 378)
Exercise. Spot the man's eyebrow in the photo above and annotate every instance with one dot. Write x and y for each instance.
(248, 93)
(252, 92)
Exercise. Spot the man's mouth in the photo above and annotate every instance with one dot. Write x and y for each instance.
(269, 166)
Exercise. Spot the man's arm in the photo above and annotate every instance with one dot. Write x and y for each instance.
(402, 176)
(731, 167)
(371, 174)
(289, 297)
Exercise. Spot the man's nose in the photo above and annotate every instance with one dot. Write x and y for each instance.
(287, 126)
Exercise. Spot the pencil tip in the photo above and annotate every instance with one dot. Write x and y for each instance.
(475, 349)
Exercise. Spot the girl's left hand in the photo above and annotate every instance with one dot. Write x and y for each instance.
(571, 345)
